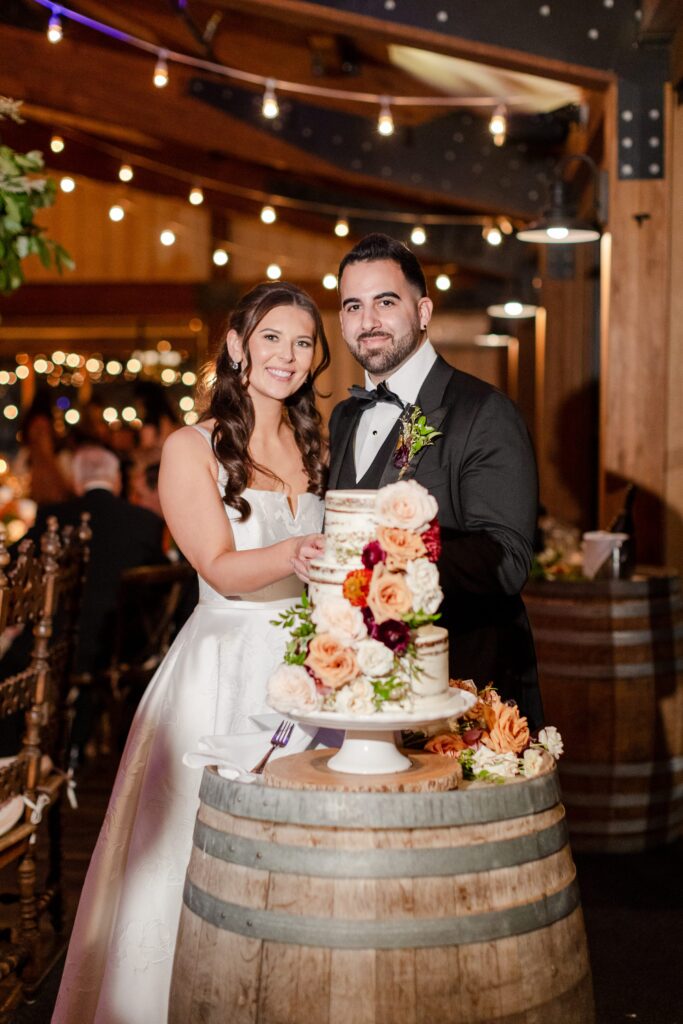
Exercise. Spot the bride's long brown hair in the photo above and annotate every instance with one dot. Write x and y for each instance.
(231, 407)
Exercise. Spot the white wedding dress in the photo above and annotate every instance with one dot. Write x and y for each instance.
(119, 961)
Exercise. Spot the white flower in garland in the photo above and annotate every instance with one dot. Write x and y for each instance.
(504, 765)
(422, 577)
(358, 698)
(374, 658)
(551, 739)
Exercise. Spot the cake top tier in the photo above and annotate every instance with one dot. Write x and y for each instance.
(351, 501)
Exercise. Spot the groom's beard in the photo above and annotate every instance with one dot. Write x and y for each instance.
(388, 358)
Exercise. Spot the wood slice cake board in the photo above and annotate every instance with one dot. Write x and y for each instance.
(430, 773)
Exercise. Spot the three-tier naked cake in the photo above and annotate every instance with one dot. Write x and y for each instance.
(364, 640)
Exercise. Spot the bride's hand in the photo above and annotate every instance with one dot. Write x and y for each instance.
(305, 550)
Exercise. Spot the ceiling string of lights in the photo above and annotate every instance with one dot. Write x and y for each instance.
(270, 107)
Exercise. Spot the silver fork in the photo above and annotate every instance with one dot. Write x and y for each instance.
(280, 738)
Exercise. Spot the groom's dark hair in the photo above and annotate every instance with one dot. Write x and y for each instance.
(376, 247)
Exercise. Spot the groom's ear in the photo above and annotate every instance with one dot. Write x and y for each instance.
(233, 344)
(425, 308)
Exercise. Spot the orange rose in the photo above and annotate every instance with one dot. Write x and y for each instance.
(328, 659)
(448, 743)
(388, 596)
(507, 730)
(401, 546)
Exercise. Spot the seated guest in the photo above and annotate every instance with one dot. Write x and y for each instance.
(143, 486)
(123, 536)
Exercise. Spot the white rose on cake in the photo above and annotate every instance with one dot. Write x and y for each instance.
(552, 741)
(534, 762)
(374, 658)
(356, 699)
(504, 765)
(337, 616)
(422, 577)
(405, 504)
(290, 688)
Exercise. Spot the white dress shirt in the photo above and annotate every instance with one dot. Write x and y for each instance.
(376, 422)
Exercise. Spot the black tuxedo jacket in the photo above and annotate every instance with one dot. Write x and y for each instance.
(123, 536)
(482, 472)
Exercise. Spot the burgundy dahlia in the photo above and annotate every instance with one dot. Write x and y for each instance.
(393, 634)
(372, 554)
(432, 540)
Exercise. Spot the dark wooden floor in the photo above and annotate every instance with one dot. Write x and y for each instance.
(633, 907)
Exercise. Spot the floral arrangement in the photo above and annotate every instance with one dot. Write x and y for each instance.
(561, 556)
(492, 740)
(356, 653)
(415, 435)
(20, 197)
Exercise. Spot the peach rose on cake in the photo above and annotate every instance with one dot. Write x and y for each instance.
(406, 505)
(401, 546)
(507, 731)
(388, 595)
(341, 619)
(330, 661)
(290, 688)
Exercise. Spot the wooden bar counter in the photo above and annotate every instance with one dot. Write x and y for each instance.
(610, 657)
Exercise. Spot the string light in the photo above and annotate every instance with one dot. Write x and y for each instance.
(273, 272)
(128, 413)
(498, 125)
(268, 215)
(330, 281)
(56, 143)
(11, 412)
(418, 236)
(270, 107)
(67, 184)
(189, 378)
(110, 414)
(22, 372)
(116, 213)
(196, 196)
(72, 416)
(385, 121)
(125, 172)
(54, 28)
(443, 282)
(161, 71)
(167, 237)
(220, 257)
(114, 367)
(492, 234)
(341, 228)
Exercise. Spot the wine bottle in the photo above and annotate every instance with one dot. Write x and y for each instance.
(623, 523)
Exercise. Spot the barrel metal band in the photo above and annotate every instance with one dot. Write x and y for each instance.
(337, 809)
(403, 933)
(670, 667)
(379, 863)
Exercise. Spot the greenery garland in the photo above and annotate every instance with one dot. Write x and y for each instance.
(20, 197)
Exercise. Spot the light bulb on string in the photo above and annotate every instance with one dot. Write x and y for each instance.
(341, 228)
(220, 257)
(273, 272)
(418, 236)
(56, 143)
(161, 71)
(492, 234)
(54, 27)
(498, 125)
(443, 282)
(330, 281)
(268, 215)
(125, 172)
(385, 121)
(116, 213)
(196, 196)
(67, 184)
(270, 107)
(167, 237)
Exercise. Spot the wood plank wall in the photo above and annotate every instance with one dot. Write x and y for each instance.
(635, 408)
(674, 461)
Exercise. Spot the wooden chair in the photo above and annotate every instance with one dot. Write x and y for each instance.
(150, 606)
(40, 593)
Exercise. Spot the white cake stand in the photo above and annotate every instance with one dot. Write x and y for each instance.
(369, 746)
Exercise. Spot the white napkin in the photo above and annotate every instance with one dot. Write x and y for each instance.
(235, 756)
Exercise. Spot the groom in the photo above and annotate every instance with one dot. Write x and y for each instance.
(481, 469)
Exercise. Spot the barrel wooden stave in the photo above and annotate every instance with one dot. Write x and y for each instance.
(540, 974)
(610, 656)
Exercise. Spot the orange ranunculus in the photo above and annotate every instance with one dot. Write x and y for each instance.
(332, 663)
(448, 743)
(388, 596)
(355, 587)
(507, 729)
(401, 546)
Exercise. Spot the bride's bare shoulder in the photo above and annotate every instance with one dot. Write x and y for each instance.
(190, 442)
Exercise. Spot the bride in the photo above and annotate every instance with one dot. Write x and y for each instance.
(242, 495)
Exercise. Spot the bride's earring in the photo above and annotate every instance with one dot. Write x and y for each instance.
(234, 365)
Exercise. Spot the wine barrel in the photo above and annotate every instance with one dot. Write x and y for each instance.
(318, 907)
(610, 658)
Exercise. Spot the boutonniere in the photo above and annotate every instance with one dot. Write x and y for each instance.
(415, 435)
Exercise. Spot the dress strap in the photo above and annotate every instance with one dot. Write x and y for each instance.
(203, 431)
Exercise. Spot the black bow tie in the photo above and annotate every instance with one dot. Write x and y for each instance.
(380, 394)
